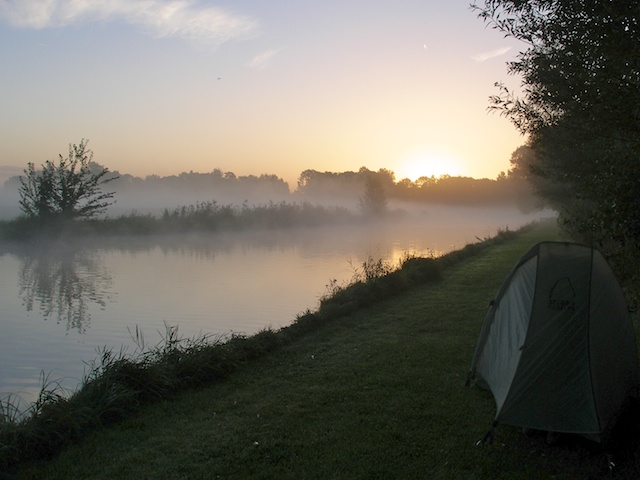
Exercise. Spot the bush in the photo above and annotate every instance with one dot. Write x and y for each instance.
(66, 191)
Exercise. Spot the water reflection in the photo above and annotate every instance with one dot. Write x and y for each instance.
(222, 281)
(62, 283)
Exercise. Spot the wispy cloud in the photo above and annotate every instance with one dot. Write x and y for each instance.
(484, 56)
(262, 60)
(162, 18)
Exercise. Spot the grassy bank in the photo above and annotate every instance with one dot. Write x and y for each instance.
(372, 389)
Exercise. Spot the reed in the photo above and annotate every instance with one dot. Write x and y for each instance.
(200, 217)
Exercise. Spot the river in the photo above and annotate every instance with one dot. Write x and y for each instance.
(61, 303)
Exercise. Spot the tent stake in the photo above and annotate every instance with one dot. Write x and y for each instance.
(488, 437)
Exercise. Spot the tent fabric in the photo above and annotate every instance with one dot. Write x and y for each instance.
(557, 347)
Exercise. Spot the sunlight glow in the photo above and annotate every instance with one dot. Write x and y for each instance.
(426, 165)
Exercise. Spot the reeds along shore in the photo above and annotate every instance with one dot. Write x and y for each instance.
(200, 217)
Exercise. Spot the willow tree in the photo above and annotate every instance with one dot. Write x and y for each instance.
(69, 189)
(579, 107)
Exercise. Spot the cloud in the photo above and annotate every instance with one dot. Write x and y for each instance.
(162, 18)
(481, 57)
(263, 60)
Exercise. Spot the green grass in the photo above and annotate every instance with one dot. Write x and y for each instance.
(377, 392)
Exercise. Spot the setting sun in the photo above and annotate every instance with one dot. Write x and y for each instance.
(426, 165)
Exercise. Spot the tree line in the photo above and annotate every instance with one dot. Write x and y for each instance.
(507, 188)
(314, 185)
(75, 186)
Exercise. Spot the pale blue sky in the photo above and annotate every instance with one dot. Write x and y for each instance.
(160, 87)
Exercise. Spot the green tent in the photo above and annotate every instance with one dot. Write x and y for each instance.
(557, 348)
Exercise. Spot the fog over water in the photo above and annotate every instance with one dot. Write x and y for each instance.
(61, 302)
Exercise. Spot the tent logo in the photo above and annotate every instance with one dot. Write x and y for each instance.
(562, 295)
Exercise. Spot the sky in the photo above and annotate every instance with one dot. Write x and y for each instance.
(255, 87)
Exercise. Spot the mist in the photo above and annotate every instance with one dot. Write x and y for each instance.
(154, 195)
(65, 299)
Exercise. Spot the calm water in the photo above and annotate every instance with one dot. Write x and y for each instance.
(59, 304)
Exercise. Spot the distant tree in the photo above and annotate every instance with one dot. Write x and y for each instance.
(405, 184)
(387, 178)
(329, 185)
(373, 201)
(70, 189)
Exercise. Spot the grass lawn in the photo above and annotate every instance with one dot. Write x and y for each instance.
(378, 394)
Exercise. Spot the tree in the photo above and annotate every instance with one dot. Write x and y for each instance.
(580, 107)
(374, 200)
(70, 189)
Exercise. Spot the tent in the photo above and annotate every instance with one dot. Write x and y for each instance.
(557, 347)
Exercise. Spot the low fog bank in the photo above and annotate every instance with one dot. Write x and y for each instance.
(155, 203)
(154, 195)
(9, 206)
(156, 199)
(445, 215)
(420, 230)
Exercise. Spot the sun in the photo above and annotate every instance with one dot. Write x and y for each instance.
(426, 165)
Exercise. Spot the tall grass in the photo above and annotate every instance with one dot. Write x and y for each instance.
(118, 384)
